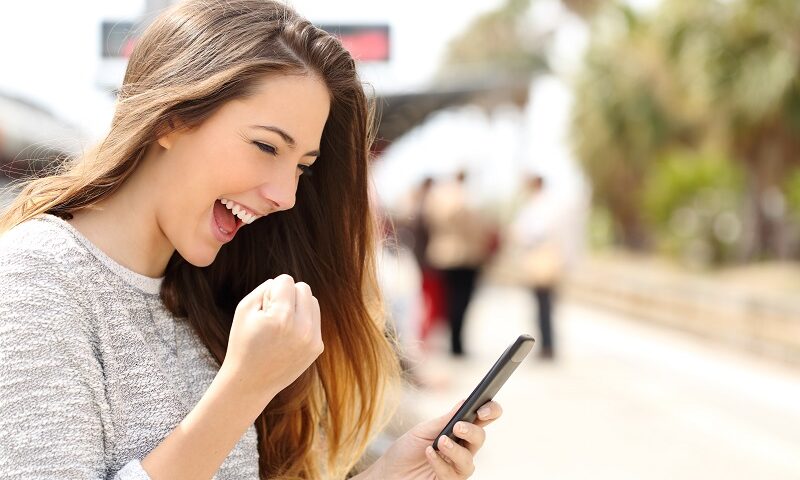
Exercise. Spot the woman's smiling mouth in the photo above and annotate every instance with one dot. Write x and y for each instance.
(244, 213)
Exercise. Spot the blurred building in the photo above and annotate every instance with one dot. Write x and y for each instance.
(372, 40)
(394, 50)
(31, 137)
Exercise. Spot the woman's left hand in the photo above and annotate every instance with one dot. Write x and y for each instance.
(411, 457)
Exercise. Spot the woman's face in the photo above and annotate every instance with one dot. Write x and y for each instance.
(245, 158)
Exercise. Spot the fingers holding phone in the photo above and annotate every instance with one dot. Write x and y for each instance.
(471, 434)
(450, 454)
(452, 460)
(478, 407)
(488, 413)
(454, 457)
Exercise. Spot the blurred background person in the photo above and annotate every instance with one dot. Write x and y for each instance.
(434, 307)
(458, 245)
(537, 233)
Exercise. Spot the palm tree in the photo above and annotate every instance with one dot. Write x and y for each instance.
(624, 116)
(740, 65)
(698, 73)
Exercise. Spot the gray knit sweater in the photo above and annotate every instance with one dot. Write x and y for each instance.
(94, 371)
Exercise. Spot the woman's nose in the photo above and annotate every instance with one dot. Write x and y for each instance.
(280, 189)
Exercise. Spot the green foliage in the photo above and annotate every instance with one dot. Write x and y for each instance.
(792, 189)
(601, 228)
(736, 61)
(698, 75)
(682, 175)
(693, 201)
(624, 115)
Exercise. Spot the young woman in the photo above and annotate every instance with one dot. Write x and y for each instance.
(157, 318)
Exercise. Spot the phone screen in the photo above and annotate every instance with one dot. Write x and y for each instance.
(489, 385)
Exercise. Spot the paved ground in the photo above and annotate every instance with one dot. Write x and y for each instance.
(623, 401)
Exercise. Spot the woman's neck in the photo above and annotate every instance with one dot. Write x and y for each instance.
(125, 227)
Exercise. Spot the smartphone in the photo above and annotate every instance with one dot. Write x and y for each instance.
(489, 386)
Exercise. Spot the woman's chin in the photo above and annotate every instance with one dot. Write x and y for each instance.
(200, 257)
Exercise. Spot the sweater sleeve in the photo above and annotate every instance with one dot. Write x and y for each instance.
(52, 395)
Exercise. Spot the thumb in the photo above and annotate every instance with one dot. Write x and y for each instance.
(433, 427)
(255, 299)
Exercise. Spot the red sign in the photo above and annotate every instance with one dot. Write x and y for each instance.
(366, 43)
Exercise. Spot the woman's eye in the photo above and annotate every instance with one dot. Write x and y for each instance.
(266, 148)
(305, 169)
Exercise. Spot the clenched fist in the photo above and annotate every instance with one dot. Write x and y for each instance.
(274, 338)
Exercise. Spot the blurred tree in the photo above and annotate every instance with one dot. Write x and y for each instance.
(693, 199)
(584, 8)
(496, 43)
(792, 187)
(624, 117)
(739, 62)
(699, 73)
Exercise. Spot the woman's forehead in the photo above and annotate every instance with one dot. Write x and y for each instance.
(297, 104)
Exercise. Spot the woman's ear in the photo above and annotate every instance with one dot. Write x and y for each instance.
(169, 134)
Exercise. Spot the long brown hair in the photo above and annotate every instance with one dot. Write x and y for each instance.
(187, 63)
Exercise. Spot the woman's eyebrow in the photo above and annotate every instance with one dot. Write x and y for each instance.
(286, 137)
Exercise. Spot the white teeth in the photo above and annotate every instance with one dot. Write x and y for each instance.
(238, 211)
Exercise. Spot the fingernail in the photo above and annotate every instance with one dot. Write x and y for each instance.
(461, 427)
(484, 412)
(446, 442)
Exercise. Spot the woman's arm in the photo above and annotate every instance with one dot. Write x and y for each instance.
(51, 424)
(53, 412)
(267, 351)
(200, 443)
(51, 419)
(53, 416)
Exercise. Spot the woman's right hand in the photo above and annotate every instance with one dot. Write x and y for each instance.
(275, 337)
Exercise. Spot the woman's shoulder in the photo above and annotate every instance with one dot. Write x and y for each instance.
(39, 277)
(40, 253)
(45, 241)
